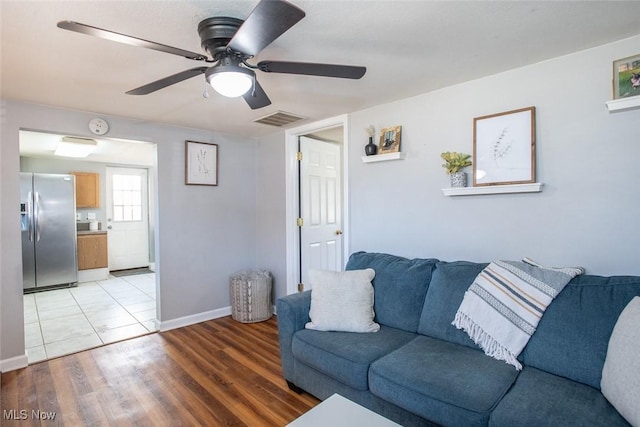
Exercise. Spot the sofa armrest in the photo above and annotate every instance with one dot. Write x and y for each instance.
(293, 314)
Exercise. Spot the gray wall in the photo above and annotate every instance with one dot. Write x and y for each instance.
(203, 233)
(588, 212)
(270, 210)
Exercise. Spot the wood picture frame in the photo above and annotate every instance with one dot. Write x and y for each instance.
(504, 148)
(201, 163)
(390, 140)
(626, 77)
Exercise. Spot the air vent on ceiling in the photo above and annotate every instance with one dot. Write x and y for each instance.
(279, 118)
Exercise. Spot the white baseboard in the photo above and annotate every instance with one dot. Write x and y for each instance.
(93, 275)
(167, 325)
(14, 363)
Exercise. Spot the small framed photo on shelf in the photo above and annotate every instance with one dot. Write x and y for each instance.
(390, 140)
(504, 147)
(626, 77)
(201, 163)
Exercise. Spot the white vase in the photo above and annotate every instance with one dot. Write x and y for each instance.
(458, 179)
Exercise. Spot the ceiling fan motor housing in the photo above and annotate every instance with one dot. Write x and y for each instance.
(216, 33)
(228, 64)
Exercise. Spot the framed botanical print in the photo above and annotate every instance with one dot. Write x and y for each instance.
(201, 163)
(504, 147)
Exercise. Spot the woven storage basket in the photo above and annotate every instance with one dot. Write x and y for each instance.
(251, 296)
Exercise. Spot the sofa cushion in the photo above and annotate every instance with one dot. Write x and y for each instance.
(346, 356)
(621, 372)
(400, 286)
(342, 301)
(449, 283)
(572, 337)
(542, 399)
(444, 382)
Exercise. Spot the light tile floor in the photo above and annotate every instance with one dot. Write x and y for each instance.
(64, 321)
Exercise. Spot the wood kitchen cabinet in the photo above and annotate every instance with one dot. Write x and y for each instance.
(87, 189)
(92, 251)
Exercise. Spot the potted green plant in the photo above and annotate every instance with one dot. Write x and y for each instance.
(454, 163)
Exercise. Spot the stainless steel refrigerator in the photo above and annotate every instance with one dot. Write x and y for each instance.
(48, 223)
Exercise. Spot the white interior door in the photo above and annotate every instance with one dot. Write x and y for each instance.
(321, 206)
(127, 218)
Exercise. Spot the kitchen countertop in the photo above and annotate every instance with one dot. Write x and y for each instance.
(84, 232)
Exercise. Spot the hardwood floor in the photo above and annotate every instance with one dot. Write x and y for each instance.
(215, 373)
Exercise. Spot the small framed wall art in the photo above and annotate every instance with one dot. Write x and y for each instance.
(626, 77)
(390, 140)
(201, 163)
(504, 148)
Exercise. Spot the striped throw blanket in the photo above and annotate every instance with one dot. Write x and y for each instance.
(502, 307)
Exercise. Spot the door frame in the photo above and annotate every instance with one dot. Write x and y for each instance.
(292, 199)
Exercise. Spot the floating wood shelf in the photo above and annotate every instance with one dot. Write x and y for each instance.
(383, 157)
(534, 187)
(624, 104)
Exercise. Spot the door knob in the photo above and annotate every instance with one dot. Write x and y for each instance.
(338, 232)
(109, 227)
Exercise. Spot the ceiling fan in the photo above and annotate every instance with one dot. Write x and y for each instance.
(230, 42)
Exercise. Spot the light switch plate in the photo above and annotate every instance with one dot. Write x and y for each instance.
(91, 215)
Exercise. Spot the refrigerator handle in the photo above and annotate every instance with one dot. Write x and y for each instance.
(30, 215)
(36, 209)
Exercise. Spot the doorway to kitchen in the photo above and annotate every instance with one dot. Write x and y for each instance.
(102, 308)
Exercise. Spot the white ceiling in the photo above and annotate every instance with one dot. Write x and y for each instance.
(408, 47)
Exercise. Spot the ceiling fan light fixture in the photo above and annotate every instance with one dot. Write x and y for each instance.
(230, 81)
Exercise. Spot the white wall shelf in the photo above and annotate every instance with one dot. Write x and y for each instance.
(534, 187)
(624, 104)
(383, 157)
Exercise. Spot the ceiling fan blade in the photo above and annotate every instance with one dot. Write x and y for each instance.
(123, 38)
(167, 81)
(256, 97)
(268, 21)
(313, 69)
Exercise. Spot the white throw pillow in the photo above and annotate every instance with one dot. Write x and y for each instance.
(342, 301)
(621, 372)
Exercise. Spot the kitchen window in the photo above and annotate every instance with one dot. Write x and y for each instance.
(127, 198)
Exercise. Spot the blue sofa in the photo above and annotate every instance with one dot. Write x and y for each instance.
(420, 370)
